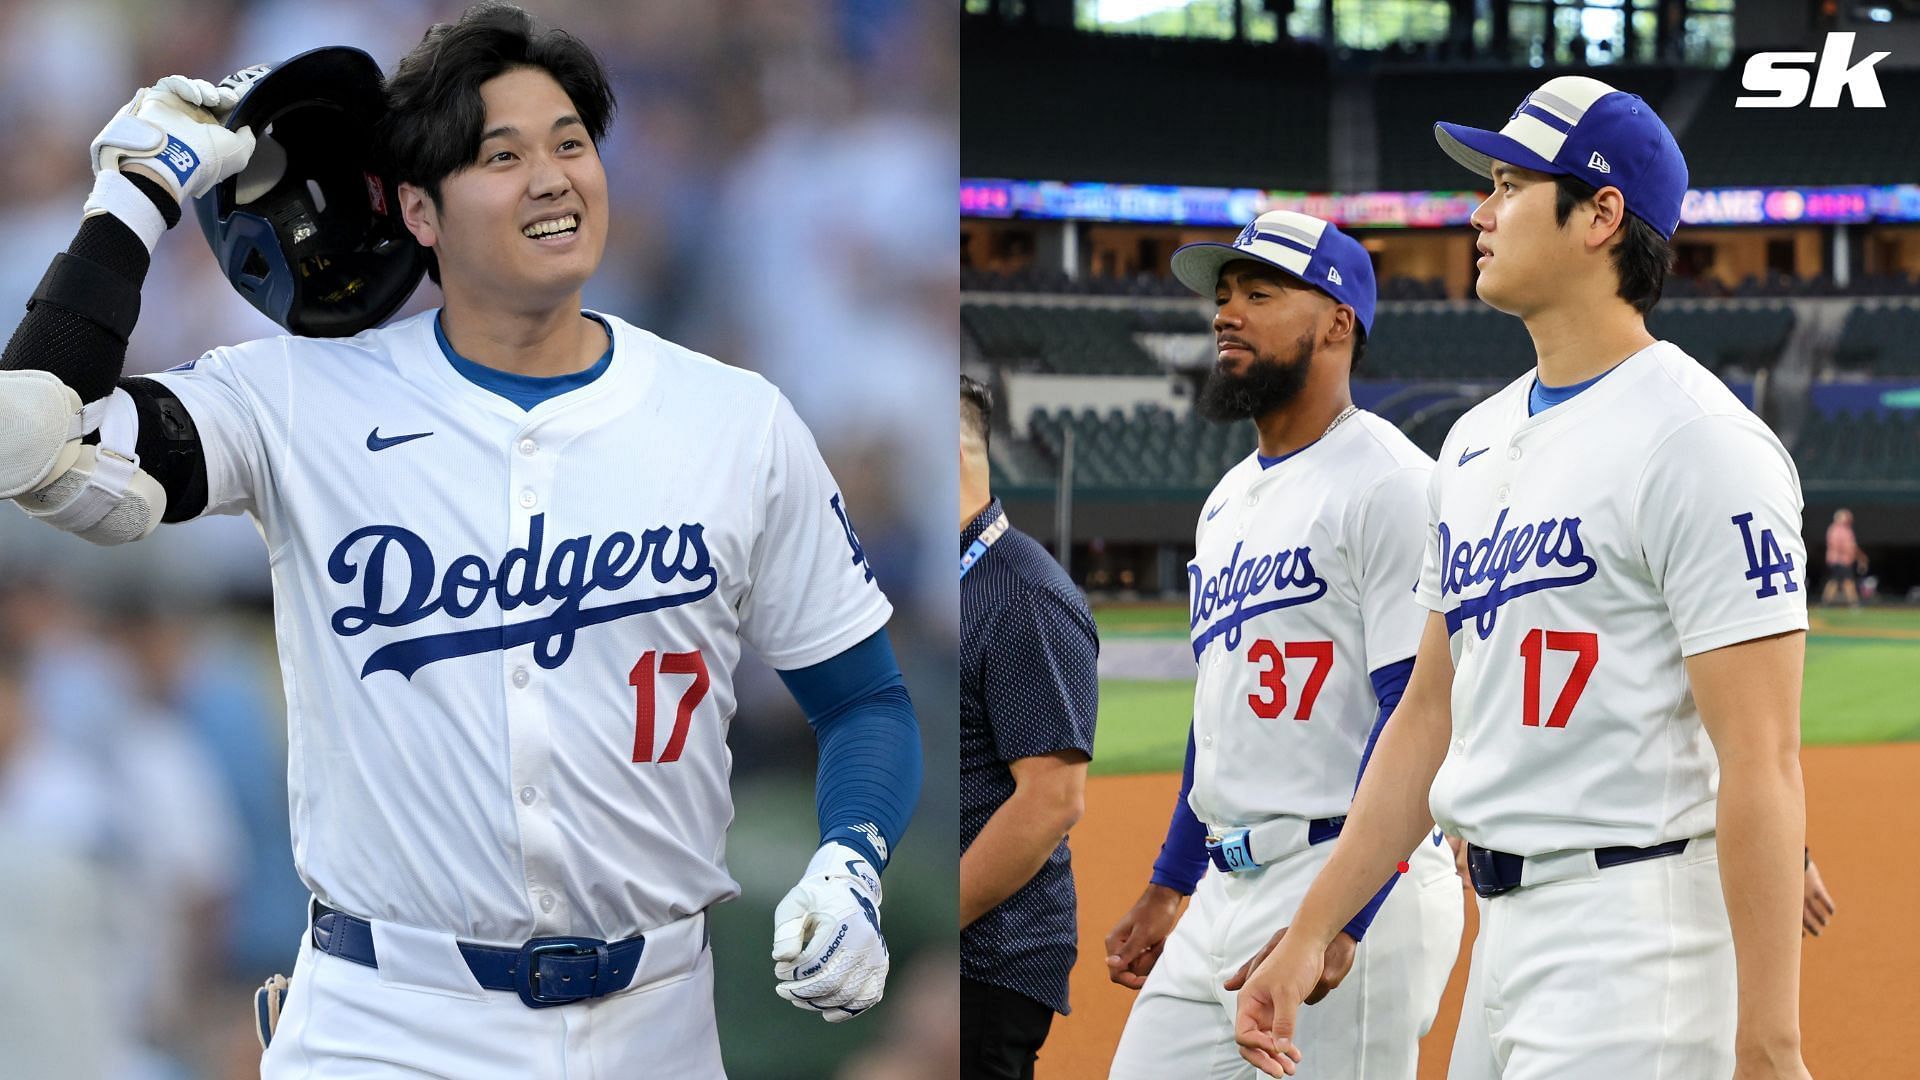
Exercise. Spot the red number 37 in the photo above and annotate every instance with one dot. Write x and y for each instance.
(1271, 701)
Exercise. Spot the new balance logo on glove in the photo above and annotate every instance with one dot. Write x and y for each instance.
(179, 157)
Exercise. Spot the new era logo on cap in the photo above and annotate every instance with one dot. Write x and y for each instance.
(1598, 163)
(1333, 275)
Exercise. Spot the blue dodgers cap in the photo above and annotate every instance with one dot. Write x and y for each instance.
(1578, 126)
(1303, 245)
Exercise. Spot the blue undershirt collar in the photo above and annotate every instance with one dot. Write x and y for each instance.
(525, 391)
(1543, 397)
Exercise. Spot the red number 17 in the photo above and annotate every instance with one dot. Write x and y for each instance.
(641, 677)
(1586, 650)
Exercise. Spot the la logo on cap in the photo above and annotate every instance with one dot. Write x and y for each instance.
(1247, 234)
(1598, 163)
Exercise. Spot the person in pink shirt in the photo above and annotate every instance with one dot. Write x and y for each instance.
(1843, 554)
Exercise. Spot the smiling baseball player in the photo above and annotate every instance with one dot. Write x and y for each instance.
(517, 550)
(1304, 633)
(1608, 687)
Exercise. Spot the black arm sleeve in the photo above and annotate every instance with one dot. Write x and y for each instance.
(88, 356)
(169, 448)
(82, 351)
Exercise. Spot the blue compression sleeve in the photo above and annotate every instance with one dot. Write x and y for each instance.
(1183, 857)
(869, 775)
(1388, 684)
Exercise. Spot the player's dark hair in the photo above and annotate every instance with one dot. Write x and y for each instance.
(1642, 258)
(976, 409)
(434, 112)
(1359, 347)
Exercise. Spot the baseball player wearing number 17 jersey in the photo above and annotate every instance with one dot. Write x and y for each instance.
(1608, 687)
(1303, 632)
(517, 551)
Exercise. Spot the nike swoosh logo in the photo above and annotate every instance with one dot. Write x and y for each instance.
(376, 442)
(1469, 455)
(1215, 510)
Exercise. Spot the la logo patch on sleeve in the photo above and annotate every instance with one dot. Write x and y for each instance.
(1767, 561)
(853, 539)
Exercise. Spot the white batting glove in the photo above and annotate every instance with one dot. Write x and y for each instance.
(41, 423)
(174, 128)
(828, 952)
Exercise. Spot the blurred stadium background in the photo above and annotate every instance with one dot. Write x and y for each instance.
(1099, 135)
(783, 176)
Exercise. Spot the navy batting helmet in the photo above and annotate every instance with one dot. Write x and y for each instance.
(310, 232)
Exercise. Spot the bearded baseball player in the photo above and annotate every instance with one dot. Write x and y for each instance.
(1304, 634)
(517, 549)
(1605, 703)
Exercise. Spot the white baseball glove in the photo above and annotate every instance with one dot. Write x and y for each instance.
(828, 952)
(174, 128)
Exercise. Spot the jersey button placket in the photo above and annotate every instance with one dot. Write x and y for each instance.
(529, 784)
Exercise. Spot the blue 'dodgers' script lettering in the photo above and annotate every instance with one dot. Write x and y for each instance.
(1228, 590)
(574, 570)
(1503, 553)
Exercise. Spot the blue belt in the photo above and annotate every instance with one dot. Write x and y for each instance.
(544, 972)
(1495, 872)
(1230, 852)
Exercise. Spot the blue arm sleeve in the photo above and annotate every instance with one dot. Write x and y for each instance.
(1388, 684)
(1183, 856)
(869, 775)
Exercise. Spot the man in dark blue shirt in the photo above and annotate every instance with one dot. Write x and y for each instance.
(1029, 691)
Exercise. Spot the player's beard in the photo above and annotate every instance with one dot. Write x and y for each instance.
(1268, 384)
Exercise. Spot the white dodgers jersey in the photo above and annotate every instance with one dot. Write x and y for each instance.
(1579, 556)
(1298, 591)
(508, 636)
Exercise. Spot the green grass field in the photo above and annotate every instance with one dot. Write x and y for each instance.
(1862, 685)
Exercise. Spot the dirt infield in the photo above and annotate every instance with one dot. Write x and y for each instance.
(1859, 984)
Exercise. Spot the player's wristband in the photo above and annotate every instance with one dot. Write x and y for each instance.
(1231, 852)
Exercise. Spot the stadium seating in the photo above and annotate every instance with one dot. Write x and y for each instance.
(1478, 344)
(1860, 451)
(1147, 448)
(1455, 343)
(1721, 337)
(1058, 340)
(1883, 340)
(1171, 112)
(1060, 283)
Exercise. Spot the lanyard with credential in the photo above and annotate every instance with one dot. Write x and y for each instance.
(982, 542)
